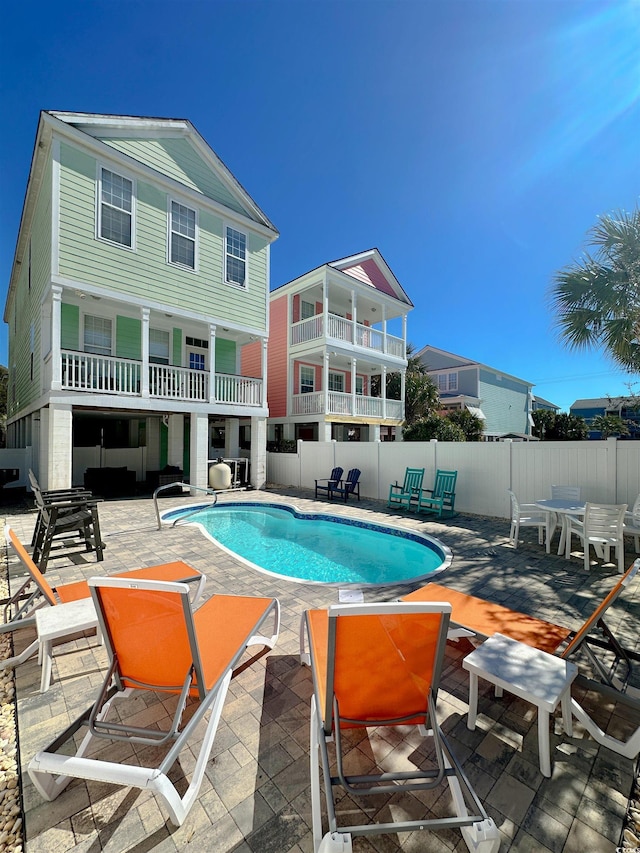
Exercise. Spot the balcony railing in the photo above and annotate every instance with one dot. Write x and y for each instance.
(344, 404)
(341, 329)
(107, 375)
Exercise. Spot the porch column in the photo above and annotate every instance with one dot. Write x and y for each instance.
(175, 444)
(324, 431)
(212, 362)
(258, 456)
(58, 441)
(232, 437)
(383, 382)
(384, 328)
(354, 306)
(403, 388)
(404, 333)
(56, 355)
(199, 451)
(325, 383)
(374, 432)
(144, 379)
(353, 387)
(264, 370)
(325, 307)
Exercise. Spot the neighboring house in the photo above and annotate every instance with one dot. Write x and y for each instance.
(626, 408)
(501, 401)
(540, 403)
(331, 347)
(141, 271)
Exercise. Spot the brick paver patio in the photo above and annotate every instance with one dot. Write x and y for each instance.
(255, 797)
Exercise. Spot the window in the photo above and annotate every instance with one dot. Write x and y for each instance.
(447, 382)
(307, 309)
(336, 381)
(307, 380)
(359, 385)
(158, 346)
(116, 208)
(97, 335)
(236, 257)
(182, 236)
(196, 361)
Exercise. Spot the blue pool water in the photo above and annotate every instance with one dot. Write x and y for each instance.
(321, 548)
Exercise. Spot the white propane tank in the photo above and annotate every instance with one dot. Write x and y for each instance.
(220, 475)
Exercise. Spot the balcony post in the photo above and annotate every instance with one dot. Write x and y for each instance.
(212, 362)
(263, 371)
(325, 384)
(56, 338)
(404, 335)
(384, 391)
(354, 306)
(325, 307)
(403, 385)
(353, 386)
(144, 379)
(384, 328)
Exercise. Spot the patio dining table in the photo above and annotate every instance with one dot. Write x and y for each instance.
(562, 508)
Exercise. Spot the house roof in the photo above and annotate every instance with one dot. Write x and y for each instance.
(539, 399)
(462, 361)
(369, 268)
(602, 403)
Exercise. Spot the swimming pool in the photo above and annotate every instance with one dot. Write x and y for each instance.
(316, 547)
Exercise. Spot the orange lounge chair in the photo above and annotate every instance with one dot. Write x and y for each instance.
(36, 592)
(156, 642)
(482, 618)
(379, 665)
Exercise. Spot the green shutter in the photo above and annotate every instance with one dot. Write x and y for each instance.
(70, 326)
(128, 338)
(177, 347)
(225, 356)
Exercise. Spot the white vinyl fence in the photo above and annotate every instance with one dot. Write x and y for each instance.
(608, 471)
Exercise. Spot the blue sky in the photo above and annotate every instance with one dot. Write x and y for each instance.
(473, 142)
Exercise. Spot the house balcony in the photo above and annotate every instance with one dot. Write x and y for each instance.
(347, 405)
(346, 331)
(98, 374)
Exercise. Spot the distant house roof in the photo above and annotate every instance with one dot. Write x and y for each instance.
(542, 402)
(519, 436)
(462, 361)
(603, 403)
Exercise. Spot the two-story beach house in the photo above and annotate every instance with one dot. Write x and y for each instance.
(503, 402)
(140, 273)
(336, 332)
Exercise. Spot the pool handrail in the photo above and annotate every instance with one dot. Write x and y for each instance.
(206, 489)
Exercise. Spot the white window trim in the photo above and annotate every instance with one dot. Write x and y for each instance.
(134, 206)
(243, 287)
(196, 247)
(167, 332)
(302, 367)
(344, 381)
(360, 379)
(84, 315)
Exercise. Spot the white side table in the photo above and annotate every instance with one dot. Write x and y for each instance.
(538, 677)
(52, 623)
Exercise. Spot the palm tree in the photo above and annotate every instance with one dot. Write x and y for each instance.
(597, 299)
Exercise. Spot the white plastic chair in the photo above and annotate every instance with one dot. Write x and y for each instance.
(526, 515)
(603, 527)
(632, 524)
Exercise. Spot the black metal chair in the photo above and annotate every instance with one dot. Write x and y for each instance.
(74, 518)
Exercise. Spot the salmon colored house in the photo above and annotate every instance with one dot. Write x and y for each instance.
(335, 333)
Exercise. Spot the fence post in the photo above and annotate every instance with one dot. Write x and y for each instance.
(299, 451)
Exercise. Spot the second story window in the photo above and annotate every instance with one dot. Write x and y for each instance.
(236, 257)
(307, 380)
(97, 335)
(158, 346)
(447, 382)
(307, 309)
(116, 208)
(182, 236)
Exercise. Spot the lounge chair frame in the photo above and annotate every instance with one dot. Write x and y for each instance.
(51, 771)
(478, 830)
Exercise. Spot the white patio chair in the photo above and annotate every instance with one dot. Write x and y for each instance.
(603, 527)
(632, 524)
(565, 493)
(526, 515)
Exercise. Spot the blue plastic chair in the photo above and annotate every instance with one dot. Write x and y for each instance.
(350, 486)
(330, 482)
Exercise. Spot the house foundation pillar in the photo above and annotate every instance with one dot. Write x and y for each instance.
(258, 458)
(56, 469)
(175, 445)
(199, 450)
